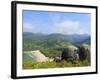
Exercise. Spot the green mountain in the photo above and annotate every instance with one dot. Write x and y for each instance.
(51, 44)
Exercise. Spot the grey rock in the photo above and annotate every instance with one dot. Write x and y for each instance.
(84, 52)
(57, 59)
(70, 53)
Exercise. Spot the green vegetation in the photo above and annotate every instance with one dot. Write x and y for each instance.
(53, 64)
(28, 63)
(50, 46)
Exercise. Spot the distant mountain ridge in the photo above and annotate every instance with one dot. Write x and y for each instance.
(73, 38)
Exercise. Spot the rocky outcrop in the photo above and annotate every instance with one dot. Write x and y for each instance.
(84, 52)
(73, 53)
(70, 53)
(37, 56)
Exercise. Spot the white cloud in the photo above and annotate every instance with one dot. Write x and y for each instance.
(68, 27)
(27, 27)
(64, 27)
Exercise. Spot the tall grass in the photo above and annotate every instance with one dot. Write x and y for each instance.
(53, 64)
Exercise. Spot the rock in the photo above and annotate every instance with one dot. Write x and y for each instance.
(57, 59)
(37, 56)
(84, 52)
(70, 53)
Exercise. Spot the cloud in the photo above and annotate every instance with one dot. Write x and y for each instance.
(27, 27)
(34, 28)
(64, 27)
(68, 27)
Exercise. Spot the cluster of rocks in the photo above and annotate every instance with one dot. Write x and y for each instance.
(71, 53)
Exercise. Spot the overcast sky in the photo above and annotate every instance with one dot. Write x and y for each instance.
(56, 22)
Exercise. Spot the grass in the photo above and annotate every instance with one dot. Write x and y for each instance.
(53, 64)
(28, 63)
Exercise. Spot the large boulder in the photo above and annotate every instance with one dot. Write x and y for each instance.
(70, 53)
(37, 56)
(84, 52)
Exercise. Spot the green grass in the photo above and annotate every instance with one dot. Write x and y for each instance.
(28, 63)
(53, 64)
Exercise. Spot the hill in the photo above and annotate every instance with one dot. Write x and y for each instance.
(51, 43)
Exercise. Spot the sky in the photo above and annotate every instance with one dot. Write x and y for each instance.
(46, 22)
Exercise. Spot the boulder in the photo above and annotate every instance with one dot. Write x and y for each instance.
(84, 52)
(37, 56)
(70, 53)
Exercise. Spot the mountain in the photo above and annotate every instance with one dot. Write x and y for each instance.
(44, 41)
(87, 41)
(78, 38)
(52, 44)
(29, 35)
(58, 38)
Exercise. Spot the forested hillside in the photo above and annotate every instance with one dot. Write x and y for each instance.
(51, 44)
